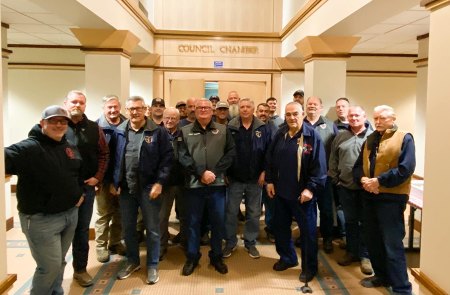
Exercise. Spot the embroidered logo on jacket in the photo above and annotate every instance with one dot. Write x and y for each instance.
(148, 139)
(307, 149)
(258, 133)
(70, 153)
(215, 131)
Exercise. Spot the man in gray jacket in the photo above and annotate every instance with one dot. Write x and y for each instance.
(345, 150)
(206, 151)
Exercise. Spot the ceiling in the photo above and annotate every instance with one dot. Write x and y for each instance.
(33, 25)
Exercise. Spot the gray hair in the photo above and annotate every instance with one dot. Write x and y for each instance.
(385, 108)
(135, 98)
(110, 97)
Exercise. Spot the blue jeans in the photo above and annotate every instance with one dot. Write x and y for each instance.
(269, 207)
(80, 244)
(49, 237)
(213, 198)
(351, 201)
(306, 216)
(252, 193)
(384, 230)
(129, 204)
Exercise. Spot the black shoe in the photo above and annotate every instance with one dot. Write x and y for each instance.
(328, 246)
(162, 254)
(306, 276)
(177, 239)
(298, 243)
(373, 282)
(220, 266)
(119, 249)
(280, 265)
(270, 235)
(204, 240)
(189, 267)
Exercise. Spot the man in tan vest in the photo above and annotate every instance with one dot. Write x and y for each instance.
(384, 169)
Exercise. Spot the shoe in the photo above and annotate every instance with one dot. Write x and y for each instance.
(189, 267)
(252, 252)
(127, 270)
(270, 235)
(204, 240)
(83, 279)
(177, 239)
(220, 266)
(102, 255)
(343, 244)
(347, 259)
(162, 254)
(152, 276)
(306, 276)
(118, 249)
(280, 265)
(298, 242)
(328, 246)
(373, 282)
(141, 236)
(226, 252)
(366, 266)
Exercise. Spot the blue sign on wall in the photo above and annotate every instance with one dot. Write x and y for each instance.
(218, 64)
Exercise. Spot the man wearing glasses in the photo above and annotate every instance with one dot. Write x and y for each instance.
(142, 160)
(206, 151)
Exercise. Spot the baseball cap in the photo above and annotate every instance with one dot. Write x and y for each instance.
(214, 98)
(157, 101)
(180, 104)
(222, 104)
(55, 111)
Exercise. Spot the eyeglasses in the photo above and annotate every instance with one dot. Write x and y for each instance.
(137, 109)
(55, 121)
(203, 108)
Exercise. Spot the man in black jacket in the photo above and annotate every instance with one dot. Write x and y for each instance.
(48, 195)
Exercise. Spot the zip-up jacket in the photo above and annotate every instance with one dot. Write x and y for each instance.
(260, 141)
(155, 154)
(48, 173)
(210, 149)
(344, 153)
(91, 143)
(327, 131)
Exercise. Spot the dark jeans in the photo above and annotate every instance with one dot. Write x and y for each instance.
(384, 230)
(351, 201)
(306, 216)
(168, 195)
(214, 199)
(269, 207)
(80, 243)
(325, 204)
(150, 208)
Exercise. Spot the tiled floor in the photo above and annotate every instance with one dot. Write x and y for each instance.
(246, 275)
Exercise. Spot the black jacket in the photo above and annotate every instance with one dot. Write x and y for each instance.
(48, 173)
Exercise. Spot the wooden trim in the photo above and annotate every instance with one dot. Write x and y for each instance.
(382, 73)
(421, 60)
(427, 282)
(322, 56)
(7, 282)
(121, 51)
(9, 223)
(383, 55)
(424, 36)
(44, 46)
(301, 16)
(5, 25)
(418, 177)
(13, 188)
(91, 234)
(417, 225)
(45, 66)
(209, 70)
(212, 35)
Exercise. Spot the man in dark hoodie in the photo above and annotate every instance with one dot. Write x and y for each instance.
(48, 195)
(91, 142)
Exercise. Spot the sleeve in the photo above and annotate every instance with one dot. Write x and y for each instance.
(166, 157)
(317, 170)
(102, 155)
(16, 158)
(406, 165)
(358, 171)
(229, 154)
(333, 162)
(269, 161)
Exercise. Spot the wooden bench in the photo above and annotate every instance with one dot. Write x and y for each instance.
(415, 203)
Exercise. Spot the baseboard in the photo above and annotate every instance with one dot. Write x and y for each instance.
(9, 224)
(7, 282)
(427, 282)
(13, 188)
(91, 234)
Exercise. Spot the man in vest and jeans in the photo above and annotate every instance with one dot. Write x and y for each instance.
(384, 169)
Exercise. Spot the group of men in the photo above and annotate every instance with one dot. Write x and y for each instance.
(208, 155)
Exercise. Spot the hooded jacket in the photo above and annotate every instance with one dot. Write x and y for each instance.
(48, 173)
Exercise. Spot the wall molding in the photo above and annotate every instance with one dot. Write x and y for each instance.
(427, 282)
(7, 282)
(354, 73)
(10, 223)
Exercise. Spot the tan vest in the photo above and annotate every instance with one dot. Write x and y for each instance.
(386, 159)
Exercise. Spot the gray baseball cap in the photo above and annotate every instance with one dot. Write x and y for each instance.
(55, 111)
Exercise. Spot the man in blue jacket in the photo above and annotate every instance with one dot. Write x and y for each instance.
(246, 177)
(296, 171)
(142, 160)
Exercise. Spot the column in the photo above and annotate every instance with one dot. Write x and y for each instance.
(325, 59)
(435, 233)
(107, 65)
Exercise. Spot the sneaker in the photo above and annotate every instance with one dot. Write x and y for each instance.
(373, 282)
(366, 266)
(226, 252)
(127, 270)
(347, 259)
(280, 265)
(220, 266)
(102, 255)
(83, 279)
(152, 276)
(252, 252)
(118, 249)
